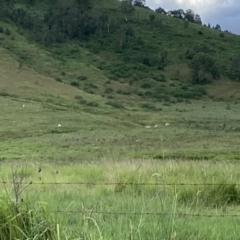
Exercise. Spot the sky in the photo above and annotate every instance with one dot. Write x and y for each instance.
(226, 13)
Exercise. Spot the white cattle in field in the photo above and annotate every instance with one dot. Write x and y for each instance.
(59, 125)
(148, 127)
(167, 124)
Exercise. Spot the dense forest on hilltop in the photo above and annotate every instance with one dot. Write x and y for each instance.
(157, 54)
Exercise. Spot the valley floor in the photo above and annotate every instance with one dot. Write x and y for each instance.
(107, 176)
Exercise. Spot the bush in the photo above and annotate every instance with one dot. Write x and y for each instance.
(82, 78)
(7, 32)
(201, 65)
(152, 17)
(78, 97)
(108, 90)
(146, 85)
(123, 92)
(221, 35)
(148, 106)
(159, 78)
(4, 94)
(115, 104)
(75, 84)
(145, 61)
(58, 79)
(92, 104)
(189, 93)
(90, 85)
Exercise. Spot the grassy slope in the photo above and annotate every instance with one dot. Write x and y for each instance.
(75, 61)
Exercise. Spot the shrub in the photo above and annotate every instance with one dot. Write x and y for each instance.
(91, 85)
(7, 32)
(221, 35)
(58, 79)
(89, 91)
(82, 101)
(159, 78)
(146, 85)
(146, 62)
(123, 92)
(189, 93)
(152, 17)
(148, 106)
(82, 77)
(148, 94)
(108, 90)
(75, 83)
(4, 94)
(115, 104)
(161, 66)
(201, 65)
(92, 104)
(78, 97)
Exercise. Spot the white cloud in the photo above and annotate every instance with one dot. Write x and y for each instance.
(199, 5)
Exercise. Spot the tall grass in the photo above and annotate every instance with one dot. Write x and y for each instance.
(18, 218)
(127, 209)
(24, 222)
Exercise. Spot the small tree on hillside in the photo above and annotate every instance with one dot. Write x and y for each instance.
(189, 15)
(151, 17)
(218, 27)
(127, 8)
(202, 65)
(160, 10)
(164, 56)
(120, 40)
(197, 19)
(7, 32)
(139, 3)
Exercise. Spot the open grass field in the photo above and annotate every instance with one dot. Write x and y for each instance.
(109, 152)
(103, 174)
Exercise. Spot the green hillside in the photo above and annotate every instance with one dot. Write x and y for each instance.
(146, 57)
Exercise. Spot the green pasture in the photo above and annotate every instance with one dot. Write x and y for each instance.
(200, 130)
(199, 146)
